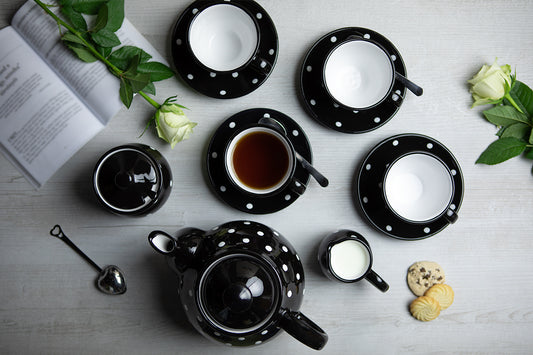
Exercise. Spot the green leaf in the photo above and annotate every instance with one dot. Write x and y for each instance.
(89, 7)
(504, 116)
(501, 150)
(122, 57)
(115, 15)
(104, 51)
(74, 18)
(158, 71)
(529, 154)
(105, 38)
(138, 81)
(531, 137)
(126, 92)
(523, 96)
(101, 19)
(517, 130)
(149, 89)
(82, 52)
(71, 37)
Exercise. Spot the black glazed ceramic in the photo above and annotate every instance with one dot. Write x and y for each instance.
(240, 283)
(132, 180)
(324, 258)
(222, 183)
(225, 84)
(371, 174)
(326, 110)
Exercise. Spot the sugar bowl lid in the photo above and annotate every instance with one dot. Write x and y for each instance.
(132, 179)
(239, 293)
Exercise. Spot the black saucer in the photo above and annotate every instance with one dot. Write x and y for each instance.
(225, 84)
(218, 175)
(372, 171)
(324, 109)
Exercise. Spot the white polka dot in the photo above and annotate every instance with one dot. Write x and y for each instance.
(295, 133)
(179, 41)
(285, 267)
(264, 332)
(247, 223)
(267, 115)
(333, 39)
(223, 188)
(214, 155)
(287, 197)
(393, 57)
(298, 276)
(368, 167)
(395, 97)
(217, 334)
(259, 15)
(453, 207)
(366, 36)
(194, 11)
(336, 105)
(338, 124)
(241, 338)
(255, 81)
(284, 248)
(212, 74)
(365, 199)
(297, 257)
(427, 230)
(234, 74)
(395, 142)
(429, 145)
(289, 293)
(246, 240)
(271, 51)
(388, 228)
(222, 92)
(259, 233)
(312, 102)
(249, 206)
(268, 248)
(231, 230)
(276, 233)
(221, 244)
(232, 125)
(377, 120)
(190, 76)
(454, 172)
(355, 111)
(309, 68)
(258, 342)
(263, 64)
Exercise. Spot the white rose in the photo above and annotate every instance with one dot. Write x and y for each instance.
(172, 124)
(490, 84)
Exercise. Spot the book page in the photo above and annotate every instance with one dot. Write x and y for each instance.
(42, 122)
(93, 83)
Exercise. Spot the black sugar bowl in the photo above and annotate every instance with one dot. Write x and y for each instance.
(132, 180)
(240, 283)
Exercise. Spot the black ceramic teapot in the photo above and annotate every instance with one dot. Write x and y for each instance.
(240, 283)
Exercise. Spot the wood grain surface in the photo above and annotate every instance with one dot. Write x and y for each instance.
(48, 303)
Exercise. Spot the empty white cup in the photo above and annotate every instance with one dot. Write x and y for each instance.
(419, 187)
(223, 37)
(358, 74)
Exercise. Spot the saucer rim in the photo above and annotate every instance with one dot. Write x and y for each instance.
(416, 230)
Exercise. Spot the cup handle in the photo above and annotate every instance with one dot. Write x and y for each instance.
(304, 330)
(297, 187)
(377, 281)
(451, 215)
(260, 65)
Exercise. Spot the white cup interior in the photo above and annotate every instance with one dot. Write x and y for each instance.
(229, 161)
(349, 259)
(358, 74)
(418, 187)
(223, 37)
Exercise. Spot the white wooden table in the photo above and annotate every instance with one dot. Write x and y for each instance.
(47, 300)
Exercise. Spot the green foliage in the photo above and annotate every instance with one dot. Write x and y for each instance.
(501, 150)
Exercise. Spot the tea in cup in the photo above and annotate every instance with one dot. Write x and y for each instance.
(346, 256)
(261, 161)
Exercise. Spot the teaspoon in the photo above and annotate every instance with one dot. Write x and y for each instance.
(110, 279)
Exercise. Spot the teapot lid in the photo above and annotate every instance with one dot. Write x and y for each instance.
(127, 179)
(239, 293)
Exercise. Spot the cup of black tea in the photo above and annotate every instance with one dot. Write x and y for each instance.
(261, 161)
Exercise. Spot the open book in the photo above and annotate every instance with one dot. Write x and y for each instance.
(52, 103)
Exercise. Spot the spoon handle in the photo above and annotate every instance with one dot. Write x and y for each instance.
(415, 89)
(321, 179)
(58, 232)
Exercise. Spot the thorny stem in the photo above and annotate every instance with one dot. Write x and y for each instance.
(94, 52)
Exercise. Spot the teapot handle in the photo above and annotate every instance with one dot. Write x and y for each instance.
(162, 242)
(304, 330)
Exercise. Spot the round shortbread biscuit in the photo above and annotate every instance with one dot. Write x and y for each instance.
(424, 274)
(425, 308)
(442, 293)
